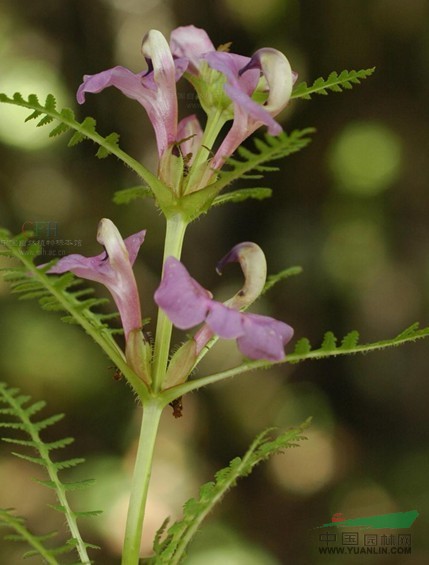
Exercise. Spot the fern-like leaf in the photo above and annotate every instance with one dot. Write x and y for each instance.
(127, 195)
(267, 150)
(21, 408)
(247, 164)
(22, 534)
(171, 551)
(243, 194)
(272, 280)
(303, 351)
(65, 121)
(334, 83)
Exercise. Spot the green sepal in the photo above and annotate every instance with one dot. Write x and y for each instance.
(138, 353)
(181, 364)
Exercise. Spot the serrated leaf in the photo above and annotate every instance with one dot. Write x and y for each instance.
(35, 408)
(59, 129)
(171, 550)
(69, 463)
(302, 346)
(16, 441)
(334, 83)
(43, 424)
(29, 458)
(76, 138)
(90, 514)
(272, 280)
(350, 340)
(59, 444)
(243, 194)
(110, 140)
(127, 195)
(50, 102)
(33, 115)
(410, 331)
(273, 148)
(45, 121)
(329, 342)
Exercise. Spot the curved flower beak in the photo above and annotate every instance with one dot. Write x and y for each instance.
(267, 76)
(154, 89)
(254, 266)
(192, 43)
(113, 268)
(278, 75)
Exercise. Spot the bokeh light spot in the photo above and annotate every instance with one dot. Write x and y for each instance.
(27, 77)
(308, 469)
(44, 192)
(365, 159)
(253, 13)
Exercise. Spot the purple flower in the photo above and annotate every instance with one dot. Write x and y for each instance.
(189, 136)
(256, 88)
(191, 43)
(267, 75)
(154, 88)
(113, 268)
(187, 304)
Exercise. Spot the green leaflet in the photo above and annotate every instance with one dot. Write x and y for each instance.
(272, 280)
(303, 351)
(172, 549)
(22, 534)
(20, 408)
(243, 194)
(334, 83)
(266, 150)
(127, 195)
(58, 293)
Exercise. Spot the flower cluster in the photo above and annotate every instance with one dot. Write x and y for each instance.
(251, 91)
(183, 299)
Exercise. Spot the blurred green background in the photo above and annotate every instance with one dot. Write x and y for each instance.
(352, 210)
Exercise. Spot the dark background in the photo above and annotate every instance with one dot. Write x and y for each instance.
(351, 209)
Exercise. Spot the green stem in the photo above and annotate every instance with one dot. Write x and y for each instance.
(142, 471)
(215, 122)
(175, 232)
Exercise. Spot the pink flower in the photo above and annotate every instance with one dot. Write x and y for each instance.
(243, 83)
(256, 88)
(154, 89)
(113, 268)
(187, 304)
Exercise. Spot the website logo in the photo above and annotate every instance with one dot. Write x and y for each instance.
(369, 535)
